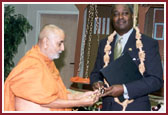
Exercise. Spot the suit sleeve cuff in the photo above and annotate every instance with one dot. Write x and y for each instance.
(125, 95)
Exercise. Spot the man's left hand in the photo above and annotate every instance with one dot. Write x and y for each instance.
(114, 90)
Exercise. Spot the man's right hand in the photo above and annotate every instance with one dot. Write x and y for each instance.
(97, 85)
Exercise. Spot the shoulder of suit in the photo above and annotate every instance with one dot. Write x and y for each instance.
(103, 41)
(149, 42)
(148, 39)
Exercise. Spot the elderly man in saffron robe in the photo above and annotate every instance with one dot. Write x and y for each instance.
(35, 83)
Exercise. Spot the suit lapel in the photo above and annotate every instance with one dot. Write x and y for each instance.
(112, 49)
(130, 47)
(131, 43)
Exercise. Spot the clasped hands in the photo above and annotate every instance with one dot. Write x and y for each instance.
(114, 90)
(91, 97)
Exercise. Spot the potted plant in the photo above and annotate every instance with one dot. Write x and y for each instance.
(15, 28)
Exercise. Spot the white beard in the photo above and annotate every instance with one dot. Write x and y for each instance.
(56, 56)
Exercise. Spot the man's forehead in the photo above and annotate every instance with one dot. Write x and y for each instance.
(59, 39)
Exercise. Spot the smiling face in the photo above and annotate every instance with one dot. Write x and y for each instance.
(122, 18)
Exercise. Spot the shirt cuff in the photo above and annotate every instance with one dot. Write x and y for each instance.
(125, 95)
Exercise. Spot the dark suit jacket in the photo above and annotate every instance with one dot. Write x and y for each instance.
(137, 90)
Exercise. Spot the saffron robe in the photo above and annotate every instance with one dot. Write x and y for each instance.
(36, 79)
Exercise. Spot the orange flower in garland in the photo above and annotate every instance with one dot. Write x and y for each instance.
(139, 43)
(141, 53)
(107, 48)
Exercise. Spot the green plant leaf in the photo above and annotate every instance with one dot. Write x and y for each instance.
(15, 28)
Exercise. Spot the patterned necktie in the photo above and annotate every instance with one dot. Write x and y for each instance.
(118, 49)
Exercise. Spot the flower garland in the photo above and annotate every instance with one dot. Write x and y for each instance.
(141, 55)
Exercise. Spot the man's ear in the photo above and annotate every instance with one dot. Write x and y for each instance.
(45, 42)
